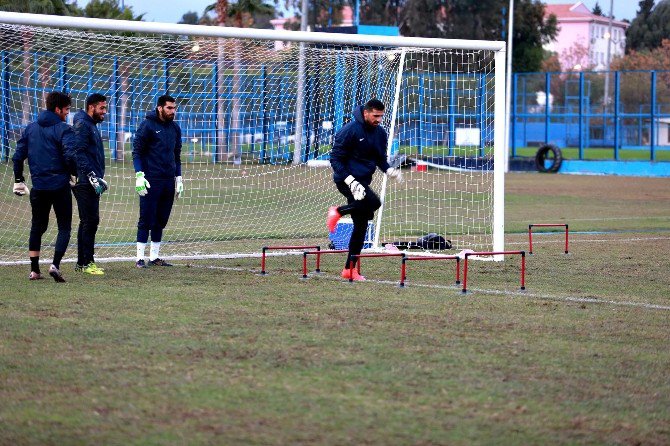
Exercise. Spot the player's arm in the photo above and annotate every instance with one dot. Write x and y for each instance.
(383, 164)
(80, 155)
(339, 153)
(179, 184)
(18, 158)
(139, 144)
(338, 161)
(79, 138)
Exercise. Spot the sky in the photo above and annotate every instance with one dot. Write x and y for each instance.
(171, 11)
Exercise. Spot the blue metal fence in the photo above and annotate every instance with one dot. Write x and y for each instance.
(612, 110)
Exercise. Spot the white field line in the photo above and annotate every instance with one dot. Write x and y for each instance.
(526, 294)
(573, 239)
(657, 217)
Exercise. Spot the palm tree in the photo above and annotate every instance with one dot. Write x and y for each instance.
(52, 7)
(242, 14)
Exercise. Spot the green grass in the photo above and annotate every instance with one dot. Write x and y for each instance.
(212, 353)
(572, 153)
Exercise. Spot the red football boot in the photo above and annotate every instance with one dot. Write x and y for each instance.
(332, 218)
(346, 274)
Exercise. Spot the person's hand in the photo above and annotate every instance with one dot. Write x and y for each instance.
(141, 184)
(357, 189)
(98, 184)
(178, 187)
(394, 173)
(20, 187)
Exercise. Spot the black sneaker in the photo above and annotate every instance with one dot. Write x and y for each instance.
(140, 264)
(56, 274)
(159, 262)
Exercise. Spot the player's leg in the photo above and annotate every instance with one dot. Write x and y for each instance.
(148, 205)
(163, 210)
(88, 205)
(40, 205)
(62, 204)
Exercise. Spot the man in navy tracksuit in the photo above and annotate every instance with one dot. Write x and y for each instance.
(359, 148)
(90, 183)
(157, 161)
(49, 145)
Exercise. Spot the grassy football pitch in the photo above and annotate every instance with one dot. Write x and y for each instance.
(209, 352)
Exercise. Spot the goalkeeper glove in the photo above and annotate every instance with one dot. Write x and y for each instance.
(357, 189)
(73, 180)
(141, 184)
(98, 184)
(394, 173)
(20, 187)
(178, 186)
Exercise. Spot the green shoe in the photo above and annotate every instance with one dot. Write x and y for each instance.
(92, 270)
(92, 264)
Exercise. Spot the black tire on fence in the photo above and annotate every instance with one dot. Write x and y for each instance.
(541, 155)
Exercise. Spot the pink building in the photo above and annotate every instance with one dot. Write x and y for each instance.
(581, 43)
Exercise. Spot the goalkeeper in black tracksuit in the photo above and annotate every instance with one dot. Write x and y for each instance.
(359, 148)
(49, 145)
(157, 162)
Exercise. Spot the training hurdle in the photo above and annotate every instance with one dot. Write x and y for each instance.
(494, 253)
(359, 256)
(530, 234)
(271, 248)
(405, 259)
(318, 254)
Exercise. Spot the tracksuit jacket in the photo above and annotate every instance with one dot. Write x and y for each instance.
(157, 148)
(49, 144)
(90, 154)
(358, 150)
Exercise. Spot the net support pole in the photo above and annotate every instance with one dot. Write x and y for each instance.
(389, 145)
(300, 93)
(499, 146)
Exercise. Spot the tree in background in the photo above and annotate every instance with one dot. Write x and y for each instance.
(597, 10)
(52, 7)
(110, 9)
(649, 27)
(531, 32)
(381, 12)
(483, 20)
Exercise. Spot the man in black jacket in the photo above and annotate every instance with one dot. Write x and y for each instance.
(359, 148)
(49, 145)
(90, 183)
(157, 162)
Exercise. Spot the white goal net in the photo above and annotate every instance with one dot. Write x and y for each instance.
(257, 127)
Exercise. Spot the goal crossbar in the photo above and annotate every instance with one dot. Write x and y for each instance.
(230, 32)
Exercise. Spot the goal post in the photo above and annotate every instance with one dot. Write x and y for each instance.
(258, 111)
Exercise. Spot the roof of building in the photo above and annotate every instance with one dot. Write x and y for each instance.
(578, 12)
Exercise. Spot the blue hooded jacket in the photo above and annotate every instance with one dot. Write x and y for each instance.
(358, 149)
(157, 148)
(90, 154)
(49, 144)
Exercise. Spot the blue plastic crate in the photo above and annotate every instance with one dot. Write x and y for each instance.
(343, 230)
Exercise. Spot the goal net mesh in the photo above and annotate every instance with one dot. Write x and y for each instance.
(236, 104)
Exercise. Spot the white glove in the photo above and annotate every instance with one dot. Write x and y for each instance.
(141, 184)
(357, 189)
(20, 189)
(73, 180)
(394, 173)
(178, 187)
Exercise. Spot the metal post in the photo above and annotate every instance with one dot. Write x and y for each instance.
(421, 113)
(652, 131)
(511, 135)
(264, 85)
(581, 115)
(300, 95)
(4, 106)
(617, 93)
(607, 60)
(547, 92)
(508, 87)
